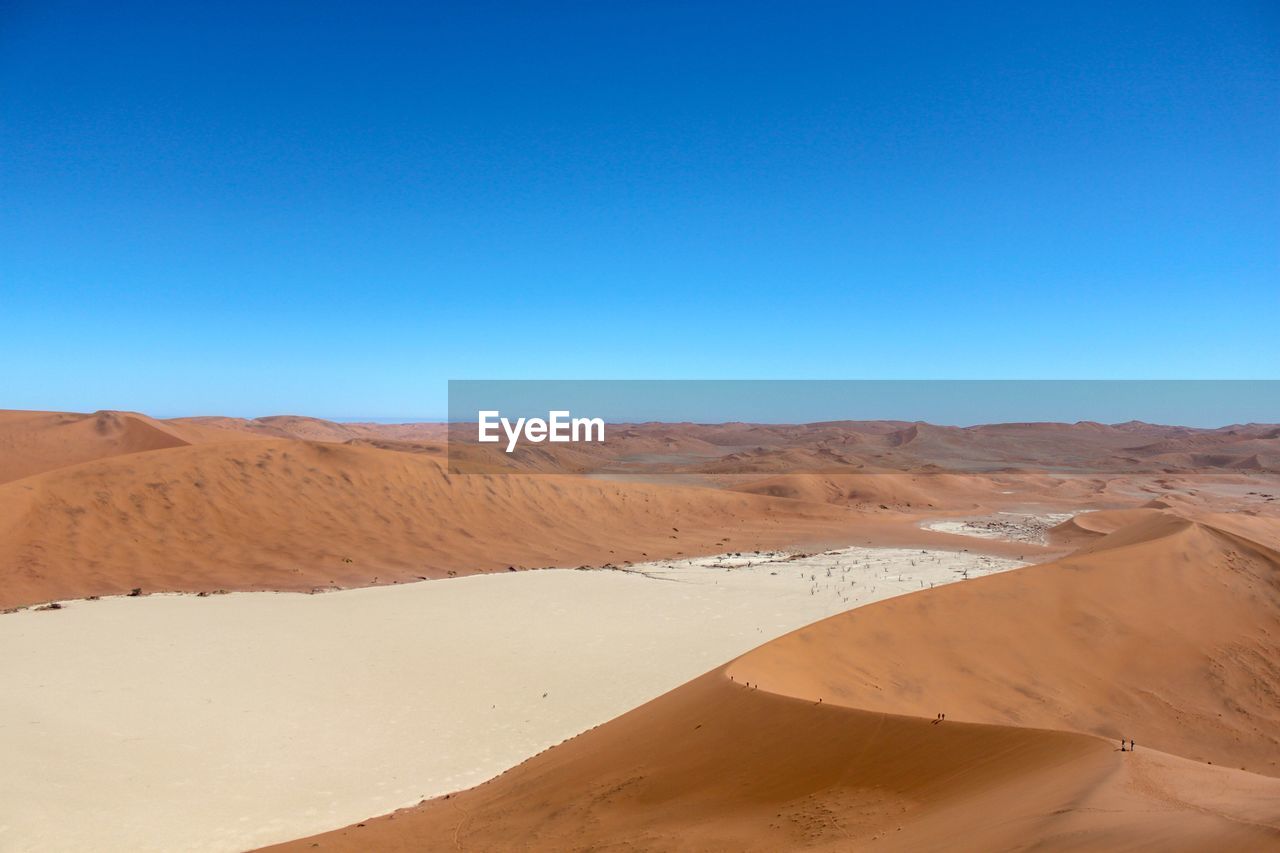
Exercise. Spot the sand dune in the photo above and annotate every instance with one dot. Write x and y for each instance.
(108, 502)
(1089, 525)
(716, 765)
(31, 442)
(315, 429)
(839, 448)
(1163, 631)
(1165, 634)
(294, 515)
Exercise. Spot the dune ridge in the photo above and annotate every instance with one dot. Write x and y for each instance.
(294, 515)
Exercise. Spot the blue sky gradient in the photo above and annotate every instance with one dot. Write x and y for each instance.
(332, 209)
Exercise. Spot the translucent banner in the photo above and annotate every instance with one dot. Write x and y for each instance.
(723, 427)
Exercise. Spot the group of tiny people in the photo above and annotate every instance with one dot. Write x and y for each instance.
(1132, 747)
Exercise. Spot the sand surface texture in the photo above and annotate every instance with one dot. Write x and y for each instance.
(174, 722)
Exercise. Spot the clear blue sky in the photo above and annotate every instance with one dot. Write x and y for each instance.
(333, 208)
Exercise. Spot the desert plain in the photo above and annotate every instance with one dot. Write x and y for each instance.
(223, 633)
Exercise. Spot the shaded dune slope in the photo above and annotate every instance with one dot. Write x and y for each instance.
(288, 514)
(1036, 670)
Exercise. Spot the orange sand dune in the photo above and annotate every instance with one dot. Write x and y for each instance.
(104, 503)
(286, 514)
(716, 765)
(1262, 529)
(192, 502)
(1165, 634)
(1164, 631)
(31, 442)
(316, 429)
(34, 442)
(276, 426)
(1090, 525)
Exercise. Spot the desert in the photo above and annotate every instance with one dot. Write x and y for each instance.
(838, 646)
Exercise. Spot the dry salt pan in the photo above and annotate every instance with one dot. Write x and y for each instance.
(1012, 526)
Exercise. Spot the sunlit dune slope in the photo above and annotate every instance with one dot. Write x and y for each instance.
(1166, 631)
(285, 514)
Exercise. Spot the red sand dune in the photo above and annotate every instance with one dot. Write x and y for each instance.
(104, 503)
(31, 442)
(718, 766)
(1164, 631)
(287, 514)
(1090, 525)
(110, 501)
(1165, 634)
